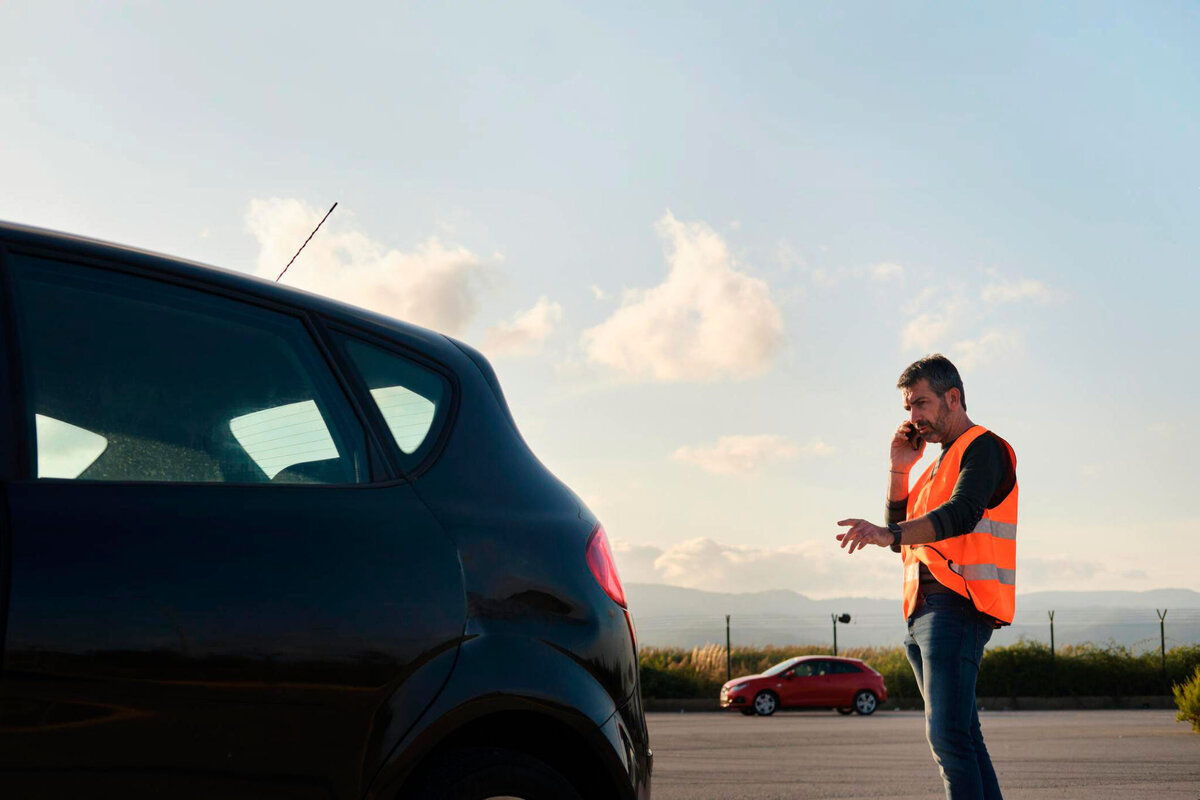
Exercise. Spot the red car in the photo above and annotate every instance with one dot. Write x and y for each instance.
(846, 684)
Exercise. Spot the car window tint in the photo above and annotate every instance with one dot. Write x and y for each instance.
(803, 669)
(130, 379)
(411, 398)
(844, 668)
(820, 667)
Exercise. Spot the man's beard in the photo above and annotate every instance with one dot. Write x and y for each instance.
(938, 428)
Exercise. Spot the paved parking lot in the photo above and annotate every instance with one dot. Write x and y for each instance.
(1039, 755)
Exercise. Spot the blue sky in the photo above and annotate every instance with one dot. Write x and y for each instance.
(699, 241)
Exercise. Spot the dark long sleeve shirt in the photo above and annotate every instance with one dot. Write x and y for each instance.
(985, 478)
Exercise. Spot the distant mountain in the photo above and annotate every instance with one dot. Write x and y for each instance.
(1154, 598)
(670, 616)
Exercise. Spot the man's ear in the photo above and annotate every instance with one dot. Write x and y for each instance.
(954, 398)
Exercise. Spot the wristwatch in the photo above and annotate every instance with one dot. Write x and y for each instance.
(894, 527)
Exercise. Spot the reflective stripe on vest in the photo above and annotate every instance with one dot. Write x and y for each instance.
(985, 572)
(980, 564)
(1001, 530)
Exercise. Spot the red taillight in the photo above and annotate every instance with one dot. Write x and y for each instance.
(600, 560)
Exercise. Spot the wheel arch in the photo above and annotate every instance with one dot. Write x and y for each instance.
(536, 733)
(553, 709)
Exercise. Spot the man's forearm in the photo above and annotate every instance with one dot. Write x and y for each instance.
(916, 531)
(897, 486)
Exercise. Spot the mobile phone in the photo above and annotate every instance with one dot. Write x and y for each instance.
(914, 438)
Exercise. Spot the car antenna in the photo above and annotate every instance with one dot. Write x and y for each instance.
(306, 241)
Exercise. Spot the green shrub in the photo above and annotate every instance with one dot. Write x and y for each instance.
(668, 685)
(1026, 669)
(1187, 700)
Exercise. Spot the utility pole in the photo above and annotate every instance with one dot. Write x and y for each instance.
(1051, 637)
(1162, 632)
(843, 618)
(728, 653)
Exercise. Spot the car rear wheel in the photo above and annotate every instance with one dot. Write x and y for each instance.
(485, 773)
(846, 711)
(865, 702)
(765, 703)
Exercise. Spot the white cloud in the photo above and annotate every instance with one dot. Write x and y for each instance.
(922, 299)
(818, 448)
(733, 455)
(635, 563)
(886, 271)
(527, 331)
(951, 320)
(788, 256)
(928, 332)
(707, 321)
(939, 326)
(1068, 571)
(1015, 291)
(879, 273)
(435, 286)
(994, 346)
(599, 293)
(824, 278)
(812, 566)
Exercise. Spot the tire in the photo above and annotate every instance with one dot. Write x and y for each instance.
(865, 702)
(765, 704)
(486, 772)
(847, 711)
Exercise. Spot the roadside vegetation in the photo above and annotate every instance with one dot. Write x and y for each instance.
(1187, 700)
(1024, 669)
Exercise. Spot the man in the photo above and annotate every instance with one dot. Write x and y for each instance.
(957, 531)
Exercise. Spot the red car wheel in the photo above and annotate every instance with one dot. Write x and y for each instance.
(865, 702)
(765, 703)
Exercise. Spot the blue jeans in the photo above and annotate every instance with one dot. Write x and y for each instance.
(945, 642)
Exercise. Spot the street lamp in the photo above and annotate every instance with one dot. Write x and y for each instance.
(842, 618)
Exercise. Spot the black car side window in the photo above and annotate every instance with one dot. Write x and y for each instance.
(131, 379)
(412, 399)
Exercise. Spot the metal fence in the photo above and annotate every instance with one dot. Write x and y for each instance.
(1138, 631)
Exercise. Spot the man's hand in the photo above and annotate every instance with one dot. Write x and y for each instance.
(903, 454)
(863, 533)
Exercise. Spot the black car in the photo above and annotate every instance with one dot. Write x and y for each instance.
(255, 543)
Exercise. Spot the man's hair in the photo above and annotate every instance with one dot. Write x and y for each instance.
(941, 374)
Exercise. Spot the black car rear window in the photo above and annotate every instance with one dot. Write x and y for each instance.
(413, 399)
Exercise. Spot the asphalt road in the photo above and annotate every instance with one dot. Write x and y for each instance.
(1039, 755)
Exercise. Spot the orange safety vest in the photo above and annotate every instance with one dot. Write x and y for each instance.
(981, 564)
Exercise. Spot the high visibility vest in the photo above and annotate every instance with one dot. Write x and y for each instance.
(980, 565)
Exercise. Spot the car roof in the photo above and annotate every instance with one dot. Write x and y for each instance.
(28, 238)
